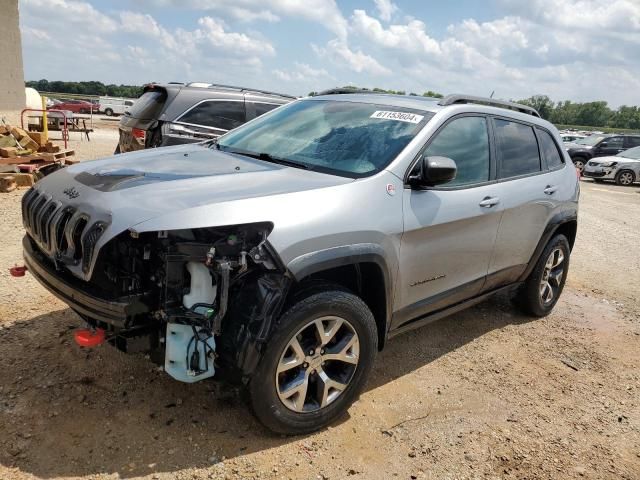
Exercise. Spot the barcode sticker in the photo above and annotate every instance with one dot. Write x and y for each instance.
(399, 116)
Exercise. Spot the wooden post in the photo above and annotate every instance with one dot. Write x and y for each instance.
(45, 125)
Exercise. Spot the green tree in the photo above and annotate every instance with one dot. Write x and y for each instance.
(541, 103)
(432, 94)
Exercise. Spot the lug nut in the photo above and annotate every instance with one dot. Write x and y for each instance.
(322, 352)
(305, 365)
(311, 352)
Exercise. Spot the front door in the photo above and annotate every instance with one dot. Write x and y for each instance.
(449, 231)
(609, 146)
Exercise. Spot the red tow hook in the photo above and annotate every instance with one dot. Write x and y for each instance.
(89, 338)
(18, 271)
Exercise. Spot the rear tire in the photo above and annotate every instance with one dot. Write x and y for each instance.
(545, 283)
(108, 112)
(579, 163)
(297, 388)
(625, 178)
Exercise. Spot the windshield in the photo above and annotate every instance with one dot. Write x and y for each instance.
(591, 141)
(632, 153)
(350, 139)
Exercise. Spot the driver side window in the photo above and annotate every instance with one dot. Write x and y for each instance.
(465, 140)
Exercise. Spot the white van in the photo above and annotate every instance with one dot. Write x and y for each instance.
(115, 105)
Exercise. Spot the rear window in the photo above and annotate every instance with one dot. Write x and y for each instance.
(517, 149)
(149, 105)
(550, 149)
(223, 115)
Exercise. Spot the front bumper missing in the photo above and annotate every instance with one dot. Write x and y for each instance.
(69, 289)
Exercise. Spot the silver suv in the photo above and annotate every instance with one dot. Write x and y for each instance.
(285, 254)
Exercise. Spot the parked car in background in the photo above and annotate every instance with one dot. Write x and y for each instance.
(571, 137)
(583, 150)
(178, 113)
(114, 105)
(75, 106)
(285, 255)
(623, 168)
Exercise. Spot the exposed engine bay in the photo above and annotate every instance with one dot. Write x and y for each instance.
(197, 300)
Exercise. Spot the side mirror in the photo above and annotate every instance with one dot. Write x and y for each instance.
(603, 144)
(432, 171)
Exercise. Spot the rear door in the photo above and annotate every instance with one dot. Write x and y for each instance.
(631, 142)
(530, 175)
(449, 231)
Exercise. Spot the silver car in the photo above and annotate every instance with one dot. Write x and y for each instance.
(284, 255)
(623, 168)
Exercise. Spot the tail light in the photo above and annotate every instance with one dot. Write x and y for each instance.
(139, 134)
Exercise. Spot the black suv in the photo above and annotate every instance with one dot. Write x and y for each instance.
(584, 149)
(178, 113)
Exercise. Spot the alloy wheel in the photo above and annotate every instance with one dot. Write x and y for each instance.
(317, 364)
(626, 178)
(552, 276)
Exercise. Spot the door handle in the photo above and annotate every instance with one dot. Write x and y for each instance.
(488, 202)
(550, 189)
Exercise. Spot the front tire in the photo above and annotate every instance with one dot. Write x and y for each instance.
(108, 112)
(316, 363)
(579, 163)
(543, 287)
(625, 178)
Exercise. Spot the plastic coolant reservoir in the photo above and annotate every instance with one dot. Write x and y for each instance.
(202, 289)
(180, 345)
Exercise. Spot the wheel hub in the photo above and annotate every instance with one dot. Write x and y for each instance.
(552, 276)
(317, 364)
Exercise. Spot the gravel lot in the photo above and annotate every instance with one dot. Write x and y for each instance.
(486, 393)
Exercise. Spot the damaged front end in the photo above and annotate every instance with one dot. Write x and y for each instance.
(199, 301)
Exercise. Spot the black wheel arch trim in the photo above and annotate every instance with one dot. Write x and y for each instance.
(556, 222)
(321, 260)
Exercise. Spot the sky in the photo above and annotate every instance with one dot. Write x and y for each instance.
(579, 50)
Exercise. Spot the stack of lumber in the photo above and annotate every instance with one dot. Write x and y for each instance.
(29, 153)
(15, 141)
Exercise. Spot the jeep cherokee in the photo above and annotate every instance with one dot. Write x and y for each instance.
(285, 254)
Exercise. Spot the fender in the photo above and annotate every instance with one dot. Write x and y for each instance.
(314, 262)
(561, 218)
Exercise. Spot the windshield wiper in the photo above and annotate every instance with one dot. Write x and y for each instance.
(270, 158)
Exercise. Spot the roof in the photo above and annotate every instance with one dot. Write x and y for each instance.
(221, 88)
(407, 101)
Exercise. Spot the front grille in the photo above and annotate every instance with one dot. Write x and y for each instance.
(62, 232)
(594, 174)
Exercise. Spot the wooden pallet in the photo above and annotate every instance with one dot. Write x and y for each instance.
(39, 158)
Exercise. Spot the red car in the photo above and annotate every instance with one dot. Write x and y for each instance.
(75, 106)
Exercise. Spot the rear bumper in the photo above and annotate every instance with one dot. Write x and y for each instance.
(69, 289)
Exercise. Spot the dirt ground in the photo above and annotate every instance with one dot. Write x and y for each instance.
(486, 393)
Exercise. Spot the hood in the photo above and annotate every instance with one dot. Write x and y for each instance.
(189, 186)
(612, 158)
(143, 185)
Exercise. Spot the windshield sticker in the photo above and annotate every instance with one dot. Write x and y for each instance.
(399, 116)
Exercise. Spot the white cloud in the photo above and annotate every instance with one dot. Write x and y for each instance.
(409, 38)
(75, 14)
(301, 72)
(339, 52)
(385, 9)
(323, 12)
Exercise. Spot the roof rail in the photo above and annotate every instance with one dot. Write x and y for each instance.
(344, 90)
(239, 89)
(458, 99)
